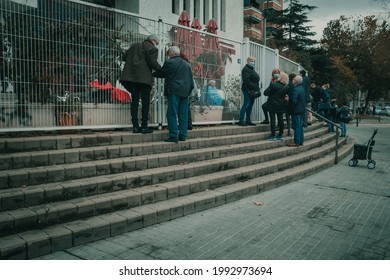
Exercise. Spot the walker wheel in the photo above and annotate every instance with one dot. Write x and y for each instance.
(371, 164)
(352, 162)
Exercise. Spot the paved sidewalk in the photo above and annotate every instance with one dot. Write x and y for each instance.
(338, 213)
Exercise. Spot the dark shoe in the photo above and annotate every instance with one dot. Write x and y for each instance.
(182, 139)
(136, 129)
(265, 122)
(241, 124)
(146, 130)
(279, 137)
(250, 124)
(292, 145)
(172, 140)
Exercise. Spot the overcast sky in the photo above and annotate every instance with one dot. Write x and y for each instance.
(328, 10)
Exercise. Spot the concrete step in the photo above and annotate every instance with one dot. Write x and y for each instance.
(195, 179)
(34, 243)
(85, 139)
(143, 170)
(87, 163)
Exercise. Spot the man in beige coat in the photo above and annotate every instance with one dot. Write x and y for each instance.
(140, 60)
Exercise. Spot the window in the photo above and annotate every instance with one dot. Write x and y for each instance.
(187, 6)
(222, 24)
(197, 9)
(214, 10)
(206, 11)
(175, 7)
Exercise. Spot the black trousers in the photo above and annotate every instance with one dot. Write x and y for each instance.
(265, 111)
(139, 90)
(273, 116)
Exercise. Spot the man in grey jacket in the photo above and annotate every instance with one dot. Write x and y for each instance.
(297, 103)
(179, 83)
(140, 60)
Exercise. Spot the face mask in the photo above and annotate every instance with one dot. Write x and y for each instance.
(276, 76)
(252, 64)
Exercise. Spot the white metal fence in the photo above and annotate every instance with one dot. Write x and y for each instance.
(60, 64)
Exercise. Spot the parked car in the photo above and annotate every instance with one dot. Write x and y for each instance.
(378, 111)
(386, 111)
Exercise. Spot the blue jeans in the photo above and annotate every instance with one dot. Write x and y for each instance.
(297, 126)
(246, 109)
(343, 129)
(177, 110)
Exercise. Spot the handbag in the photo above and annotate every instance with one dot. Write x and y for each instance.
(254, 93)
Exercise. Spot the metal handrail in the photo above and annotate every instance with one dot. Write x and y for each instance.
(337, 133)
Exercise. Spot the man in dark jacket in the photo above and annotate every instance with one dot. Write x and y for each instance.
(297, 103)
(306, 86)
(140, 59)
(179, 83)
(250, 81)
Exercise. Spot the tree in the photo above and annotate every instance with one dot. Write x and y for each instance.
(385, 4)
(292, 31)
(360, 45)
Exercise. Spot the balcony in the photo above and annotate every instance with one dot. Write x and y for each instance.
(252, 15)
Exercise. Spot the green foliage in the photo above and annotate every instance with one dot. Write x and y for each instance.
(359, 52)
(294, 32)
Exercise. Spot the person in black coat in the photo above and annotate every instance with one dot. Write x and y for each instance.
(179, 83)
(276, 104)
(250, 81)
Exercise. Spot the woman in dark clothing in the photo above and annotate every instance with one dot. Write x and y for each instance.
(276, 104)
(250, 81)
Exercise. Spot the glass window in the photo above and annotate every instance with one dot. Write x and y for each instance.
(175, 7)
(214, 10)
(223, 15)
(206, 11)
(197, 9)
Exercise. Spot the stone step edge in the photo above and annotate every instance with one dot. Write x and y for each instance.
(47, 193)
(14, 161)
(16, 178)
(49, 214)
(50, 142)
(36, 243)
(30, 159)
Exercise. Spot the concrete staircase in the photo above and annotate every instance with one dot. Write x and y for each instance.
(61, 191)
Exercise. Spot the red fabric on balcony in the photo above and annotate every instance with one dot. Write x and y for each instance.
(212, 45)
(183, 36)
(196, 39)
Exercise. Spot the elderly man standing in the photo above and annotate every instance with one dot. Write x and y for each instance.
(297, 107)
(179, 83)
(140, 60)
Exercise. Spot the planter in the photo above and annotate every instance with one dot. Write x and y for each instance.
(67, 119)
(206, 113)
(106, 114)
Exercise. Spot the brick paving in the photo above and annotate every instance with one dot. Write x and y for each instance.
(339, 213)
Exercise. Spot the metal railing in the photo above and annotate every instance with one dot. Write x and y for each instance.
(337, 132)
(61, 63)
